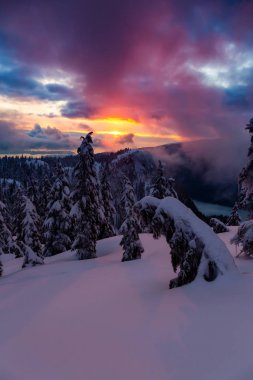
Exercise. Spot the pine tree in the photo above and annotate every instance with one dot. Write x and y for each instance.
(107, 227)
(162, 186)
(57, 225)
(7, 243)
(234, 219)
(246, 178)
(45, 190)
(27, 230)
(131, 244)
(195, 249)
(86, 209)
(244, 238)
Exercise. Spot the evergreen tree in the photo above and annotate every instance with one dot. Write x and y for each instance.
(162, 186)
(107, 227)
(131, 244)
(33, 192)
(234, 219)
(45, 190)
(86, 209)
(7, 243)
(246, 178)
(195, 249)
(244, 238)
(57, 225)
(27, 229)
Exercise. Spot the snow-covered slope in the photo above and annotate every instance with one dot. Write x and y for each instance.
(106, 320)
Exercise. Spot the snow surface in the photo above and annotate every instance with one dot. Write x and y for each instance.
(106, 320)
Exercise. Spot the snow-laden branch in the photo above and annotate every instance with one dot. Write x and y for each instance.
(195, 249)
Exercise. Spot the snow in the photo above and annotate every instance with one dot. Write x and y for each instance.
(185, 220)
(106, 320)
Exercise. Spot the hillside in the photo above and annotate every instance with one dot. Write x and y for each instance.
(106, 320)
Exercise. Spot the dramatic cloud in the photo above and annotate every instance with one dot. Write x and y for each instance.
(47, 132)
(15, 141)
(19, 82)
(78, 110)
(183, 69)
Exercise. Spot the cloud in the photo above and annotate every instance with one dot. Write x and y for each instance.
(37, 131)
(185, 68)
(78, 109)
(47, 132)
(16, 141)
(20, 82)
(126, 139)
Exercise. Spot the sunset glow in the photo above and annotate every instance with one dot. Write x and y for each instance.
(179, 79)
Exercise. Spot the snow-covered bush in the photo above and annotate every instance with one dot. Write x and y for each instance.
(244, 238)
(218, 226)
(31, 258)
(196, 251)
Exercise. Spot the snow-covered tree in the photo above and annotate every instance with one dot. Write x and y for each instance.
(234, 219)
(162, 186)
(45, 190)
(27, 228)
(218, 226)
(244, 238)
(131, 244)
(33, 191)
(87, 209)
(195, 249)
(107, 227)
(246, 178)
(57, 225)
(7, 242)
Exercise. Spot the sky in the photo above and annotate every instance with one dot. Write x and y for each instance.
(136, 72)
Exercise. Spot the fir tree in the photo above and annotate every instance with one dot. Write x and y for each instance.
(86, 209)
(246, 178)
(194, 248)
(107, 227)
(244, 238)
(7, 243)
(234, 219)
(27, 229)
(45, 190)
(57, 225)
(131, 244)
(162, 186)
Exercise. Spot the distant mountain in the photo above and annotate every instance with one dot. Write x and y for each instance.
(196, 175)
